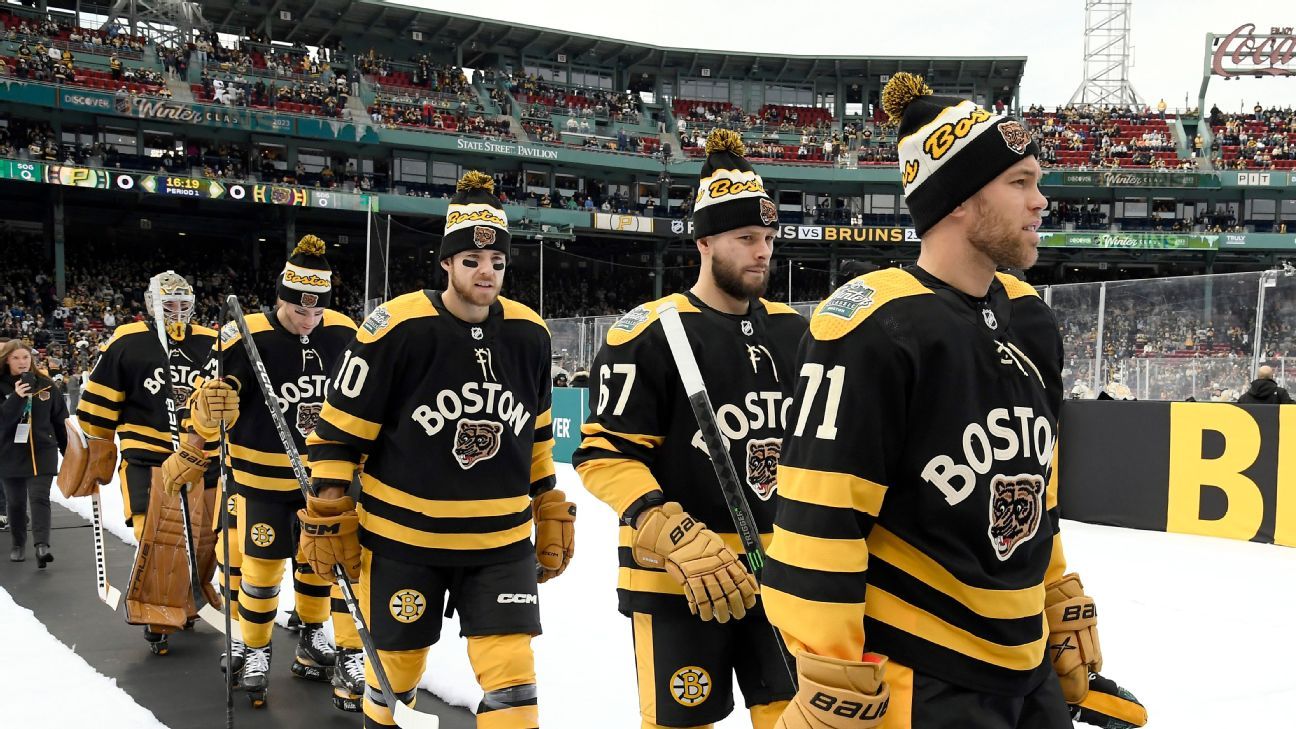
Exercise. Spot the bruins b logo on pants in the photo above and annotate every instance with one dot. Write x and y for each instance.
(262, 535)
(690, 685)
(407, 605)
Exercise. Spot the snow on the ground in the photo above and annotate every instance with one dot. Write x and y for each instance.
(1182, 620)
(54, 687)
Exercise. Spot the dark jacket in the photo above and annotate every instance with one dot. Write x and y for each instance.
(1266, 391)
(48, 437)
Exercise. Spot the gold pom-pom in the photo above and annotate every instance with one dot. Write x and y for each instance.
(474, 180)
(725, 140)
(900, 91)
(310, 245)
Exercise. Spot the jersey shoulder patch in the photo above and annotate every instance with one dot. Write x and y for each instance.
(122, 331)
(229, 334)
(858, 299)
(1015, 287)
(338, 319)
(389, 315)
(637, 320)
(774, 308)
(518, 310)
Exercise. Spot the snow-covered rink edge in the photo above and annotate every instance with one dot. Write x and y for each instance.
(1196, 627)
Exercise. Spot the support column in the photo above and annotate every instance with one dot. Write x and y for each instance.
(58, 239)
(659, 268)
(290, 230)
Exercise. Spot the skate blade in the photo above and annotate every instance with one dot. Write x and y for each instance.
(310, 672)
(351, 704)
(258, 702)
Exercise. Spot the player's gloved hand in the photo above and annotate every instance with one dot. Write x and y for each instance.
(186, 465)
(715, 582)
(1073, 636)
(836, 694)
(330, 534)
(215, 400)
(555, 532)
(1109, 706)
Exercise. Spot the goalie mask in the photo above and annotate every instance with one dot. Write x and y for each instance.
(175, 297)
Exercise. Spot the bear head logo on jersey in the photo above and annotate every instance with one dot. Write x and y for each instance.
(1016, 508)
(476, 441)
(308, 415)
(762, 466)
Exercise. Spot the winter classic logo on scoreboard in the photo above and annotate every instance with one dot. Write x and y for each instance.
(848, 300)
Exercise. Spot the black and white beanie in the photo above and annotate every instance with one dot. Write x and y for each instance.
(475, 220)
(949, 147)
(306, 279)
(730, 194)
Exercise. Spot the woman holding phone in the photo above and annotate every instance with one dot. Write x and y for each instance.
(33, 431)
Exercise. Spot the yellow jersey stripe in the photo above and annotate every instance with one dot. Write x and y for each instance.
(143, 430)
(338, 470)
(647, 581)
(887, 608)
(263, 458)
(437, 508)
(617, 482)
(818, 553)
(827, 488)
(94, 431)
(591, 431)
(428, 540)
(824, 628)
(543, 419)
(265, 483)
(104, 391)
(99, 411)
(995, 604)
(348, 423)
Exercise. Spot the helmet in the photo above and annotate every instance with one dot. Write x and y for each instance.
(170, 291)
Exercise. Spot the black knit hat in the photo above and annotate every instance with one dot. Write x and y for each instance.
(476, 220)
(949, 147)
(306, 279)
(730, 194)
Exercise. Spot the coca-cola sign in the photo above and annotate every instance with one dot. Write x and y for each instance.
(1249, 53)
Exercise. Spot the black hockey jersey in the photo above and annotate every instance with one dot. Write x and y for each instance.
(125, 393)
(916, 518)
(300, 369)
(452, 422)
(642, 436)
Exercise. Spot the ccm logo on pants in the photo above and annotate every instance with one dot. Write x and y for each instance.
(519, 598)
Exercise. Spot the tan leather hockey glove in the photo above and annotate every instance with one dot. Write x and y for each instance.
(330, 534)
(84, 469)
(836, 694)
(186, 465)
(213, 402)
(715, 582)
(1073, 636)
(555, 532)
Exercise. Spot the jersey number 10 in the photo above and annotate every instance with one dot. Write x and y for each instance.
(814, 371)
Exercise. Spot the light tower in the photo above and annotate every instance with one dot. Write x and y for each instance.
(168, 22)
(1107, 55)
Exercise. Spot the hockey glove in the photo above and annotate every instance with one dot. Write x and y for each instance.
(1109, 706)
(213, 402)
(1073, 636)
(555, 532)
(715, 582)
(186, 465)
(836, 694)
(330, 534)
(85, 468)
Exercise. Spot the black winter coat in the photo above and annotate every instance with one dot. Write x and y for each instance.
(48, 436)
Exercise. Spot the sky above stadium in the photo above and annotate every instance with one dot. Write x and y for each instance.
(1168, 36)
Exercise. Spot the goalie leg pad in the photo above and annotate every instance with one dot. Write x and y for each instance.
(159, 594)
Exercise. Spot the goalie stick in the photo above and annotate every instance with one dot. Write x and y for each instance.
(405, 716)
(110, 595)
(700, 402)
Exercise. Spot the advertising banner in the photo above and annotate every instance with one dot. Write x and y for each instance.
(570, 408)
(788, 232)
(623, 223)
(1128, 178)
(1159, 241)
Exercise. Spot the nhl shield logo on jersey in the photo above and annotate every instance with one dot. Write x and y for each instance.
(848, 300)
(747, 328)
(262, 534)
(1016, 508)
(690, 685)
(768, 213)
(762, 466)
(308, 414)
(476, 441)
(407, 605)
(988, 316)
(483, 236)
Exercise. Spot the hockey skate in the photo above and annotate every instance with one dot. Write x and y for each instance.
(157, 642)
(348, 679)
(239, 652)
(256, 675)
(315, 656)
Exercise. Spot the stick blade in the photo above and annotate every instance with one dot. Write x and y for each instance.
(213, 617)
(407, 718)
(110, 597)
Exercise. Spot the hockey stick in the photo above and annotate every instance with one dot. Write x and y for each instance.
(206, 612)
(694, 386)
(405, 716)
(110, 595)
(225, 481)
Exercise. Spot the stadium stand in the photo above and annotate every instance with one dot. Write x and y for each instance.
(1263, 139)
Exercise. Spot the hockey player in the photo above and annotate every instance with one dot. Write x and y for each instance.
(916, 569)
(299, 344)
(125, 398)
(442, 404)
(695, 615)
